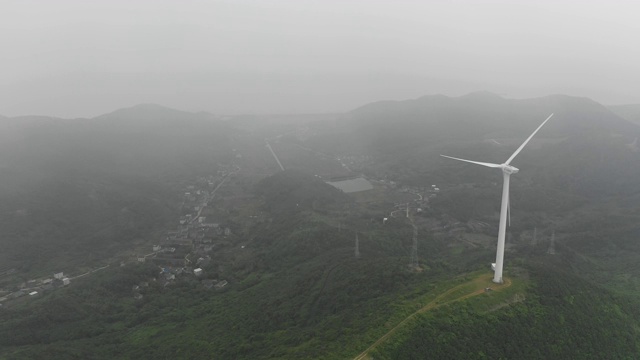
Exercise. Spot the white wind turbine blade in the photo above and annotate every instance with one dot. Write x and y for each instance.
(526, 141)
(491, 165)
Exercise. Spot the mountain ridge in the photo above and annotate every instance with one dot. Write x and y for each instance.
(630, 112)
(482, 113)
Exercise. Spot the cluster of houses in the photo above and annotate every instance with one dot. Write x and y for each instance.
(35, 287)
(186, 250)
(196, 238)
(168, 275)
(193, 238)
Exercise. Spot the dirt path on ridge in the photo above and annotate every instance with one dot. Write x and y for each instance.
(431, 305)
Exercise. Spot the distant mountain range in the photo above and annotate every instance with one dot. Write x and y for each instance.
(483, 113)
(583, 148)
(145, 140)
(408, 136)
(480, 110)
(76, 192)
(65, 182)
(629, 112)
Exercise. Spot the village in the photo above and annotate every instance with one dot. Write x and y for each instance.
(184, 251)
(187, 249)
(203, 230)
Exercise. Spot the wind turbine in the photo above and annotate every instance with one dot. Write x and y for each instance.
(507, 170)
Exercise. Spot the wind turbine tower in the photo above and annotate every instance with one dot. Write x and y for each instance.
(507, 171)
(357, 254)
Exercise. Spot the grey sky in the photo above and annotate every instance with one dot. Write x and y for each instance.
(83, 58)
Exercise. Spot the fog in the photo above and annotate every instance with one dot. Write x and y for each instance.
(80, 59)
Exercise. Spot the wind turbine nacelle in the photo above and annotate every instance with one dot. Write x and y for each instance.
(508, 169)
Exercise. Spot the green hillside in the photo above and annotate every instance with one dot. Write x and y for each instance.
(292, 190)
(298, 294)
(295, 288)
(73, 192)
(560, 316)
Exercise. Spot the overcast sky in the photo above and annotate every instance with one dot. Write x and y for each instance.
(87, 57)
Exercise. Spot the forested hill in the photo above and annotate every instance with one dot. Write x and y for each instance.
(579, 148)
(630, 112)
(295, 285)
(294, 191)
(562, 317)
(145, 140)
(65, 182)
(490, 115)
(158, 119)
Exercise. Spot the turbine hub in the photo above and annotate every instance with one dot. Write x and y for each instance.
(508, 169)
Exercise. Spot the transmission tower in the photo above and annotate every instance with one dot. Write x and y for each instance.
(414, 248)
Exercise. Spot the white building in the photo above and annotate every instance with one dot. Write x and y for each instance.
(66, 281)
(197, 272)
(58, 276)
